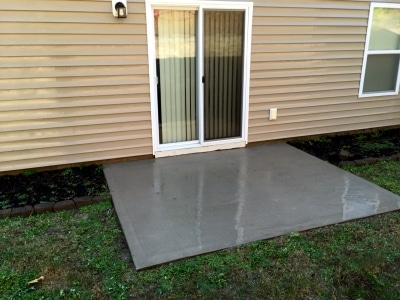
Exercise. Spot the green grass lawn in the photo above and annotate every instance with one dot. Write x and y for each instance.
(82, 255)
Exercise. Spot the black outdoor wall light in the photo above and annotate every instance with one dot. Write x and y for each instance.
(120, 8)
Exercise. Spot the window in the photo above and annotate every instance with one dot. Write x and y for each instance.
(380, 70)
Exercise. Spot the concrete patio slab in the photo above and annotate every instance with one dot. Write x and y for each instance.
(176, 207)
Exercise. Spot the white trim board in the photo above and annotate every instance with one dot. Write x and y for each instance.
(201, 149)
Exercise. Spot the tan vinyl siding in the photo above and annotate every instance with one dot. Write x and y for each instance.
(73, 83)
(306, 61)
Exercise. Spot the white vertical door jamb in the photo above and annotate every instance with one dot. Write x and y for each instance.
(246, 71)
(200, 73)
(153, 80)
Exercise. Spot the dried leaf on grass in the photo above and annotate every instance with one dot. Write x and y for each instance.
(37, 280)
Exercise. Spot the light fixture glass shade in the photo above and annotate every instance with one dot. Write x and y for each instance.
(121, 12)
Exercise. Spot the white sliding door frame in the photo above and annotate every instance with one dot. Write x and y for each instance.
(199, 145)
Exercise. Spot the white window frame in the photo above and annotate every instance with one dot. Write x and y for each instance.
(368, 52)
(160, 150)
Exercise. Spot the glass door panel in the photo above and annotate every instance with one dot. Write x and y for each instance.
(175, 38)
(223, 74)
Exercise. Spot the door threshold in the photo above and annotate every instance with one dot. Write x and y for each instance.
(201, 149)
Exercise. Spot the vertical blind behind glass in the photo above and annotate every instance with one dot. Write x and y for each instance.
(223, 73)
(175, 35)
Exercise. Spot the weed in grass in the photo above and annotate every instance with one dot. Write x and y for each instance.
(28, 173)
(67, 172)
(323, 139)
(376, 134)
(4, 204)
(361, 137)
(99, 169)
(377, 147)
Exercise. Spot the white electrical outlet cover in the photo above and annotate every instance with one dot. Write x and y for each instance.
(273, 113)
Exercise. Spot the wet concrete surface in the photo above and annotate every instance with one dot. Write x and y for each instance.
(176, 207)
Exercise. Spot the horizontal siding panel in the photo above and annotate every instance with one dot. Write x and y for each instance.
(72, 131)
(73, 28)
(68, 39)
(83, 60)
(134, 99)
(312, 47)
(75, 158)
(383, 1)
(330, 117)
(66, 6)
(300, 21)
(313, 4)
(15, 126)
(266, 74)
(260, 57)
(303, 88)
(256, 99)
(302, 104)
(77, 50)
(304, 30)
(318, 108)
(73, 149)
(62, 82)
(105, 17)
(315, 128)
(137, 111)
(75, 140)
(51, 5)
(296, 39)
(309, 103)
(287, 127)
(304, 64)
(310, 12)
(305, 80)
(84, 71)
(341, 108)
(72, 92)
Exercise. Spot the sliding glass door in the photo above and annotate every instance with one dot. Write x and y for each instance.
(223, 74)
(199, 57)
(175, 32)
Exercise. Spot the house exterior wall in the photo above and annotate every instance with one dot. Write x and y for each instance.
(74, 82)
(306, 61)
